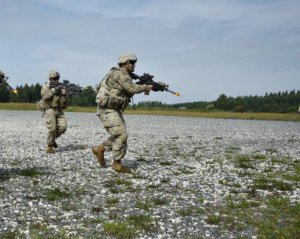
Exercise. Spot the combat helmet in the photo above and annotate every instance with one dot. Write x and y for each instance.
(53, 74)
(126, 57)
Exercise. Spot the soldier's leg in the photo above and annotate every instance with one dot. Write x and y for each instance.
(119, 147)
(114, 123)
(118, 140)
(51, 124)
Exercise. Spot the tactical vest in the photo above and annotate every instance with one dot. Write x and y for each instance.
(105, 98)
(56, 102)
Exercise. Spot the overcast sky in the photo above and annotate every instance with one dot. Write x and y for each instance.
(201, 48)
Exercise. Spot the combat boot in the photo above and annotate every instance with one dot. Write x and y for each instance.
(50, 149)
(98, 151)
(119, 167)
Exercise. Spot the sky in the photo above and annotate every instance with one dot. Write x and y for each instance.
(200, 48)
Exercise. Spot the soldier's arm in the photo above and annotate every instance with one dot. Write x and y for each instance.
(129, 86)
(46, 93)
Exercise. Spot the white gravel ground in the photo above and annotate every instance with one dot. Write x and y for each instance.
(178, 164)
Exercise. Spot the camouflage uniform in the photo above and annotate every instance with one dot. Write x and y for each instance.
(54, 102)
(113, 96)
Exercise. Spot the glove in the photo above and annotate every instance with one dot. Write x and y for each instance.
(158, 87)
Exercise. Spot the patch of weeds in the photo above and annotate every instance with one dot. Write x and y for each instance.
(240, 203)
(201, 200)
(232, 149)
(120, 181)
(159, 201)
(9, 235)
(97, 209)
(229, 183)
(144, 205)
(114, 190)
(213, 219)
(113, 215)
(38, 231)
(109, 183)
(136, 175)
(243, 161)
(79, 191)
(291, 177)
(185, 171)
(166, 163)
(152, 186)
(261, 157)
(119, 230)
(190, 211)
(277, 202)
(271, 184)
(281, 160)
(112, 202)
(219, 160)
(55, 194)
(69, 207)
(279, 220)
(143, 222)
(271, 150)
(93, 221)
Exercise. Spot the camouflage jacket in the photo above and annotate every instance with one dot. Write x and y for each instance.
(116, 89)
(52, 99)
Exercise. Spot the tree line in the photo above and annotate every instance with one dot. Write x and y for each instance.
(281, 102)
(32, 94)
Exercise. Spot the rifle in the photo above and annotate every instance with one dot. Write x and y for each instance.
(147, 79)
(71, 88)
(3, 81)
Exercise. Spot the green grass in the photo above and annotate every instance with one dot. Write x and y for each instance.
(56, 194)
(119, 230)
(29, 172)
(267, 183)
(171, 112)
(190, 211)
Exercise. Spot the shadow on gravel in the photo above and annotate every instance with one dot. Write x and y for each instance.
(73, 147)
(132, 164)
(6, 174)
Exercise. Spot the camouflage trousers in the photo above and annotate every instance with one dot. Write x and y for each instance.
(56, 124)
(114, 124)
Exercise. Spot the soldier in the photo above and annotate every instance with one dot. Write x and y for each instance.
(54, 100)
(113, 96)
(3, 81)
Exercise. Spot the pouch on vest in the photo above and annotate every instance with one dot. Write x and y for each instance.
(102, 97)
(115, 102)
(40, 105)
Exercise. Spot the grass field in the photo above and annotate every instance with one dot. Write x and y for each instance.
(172, 112)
